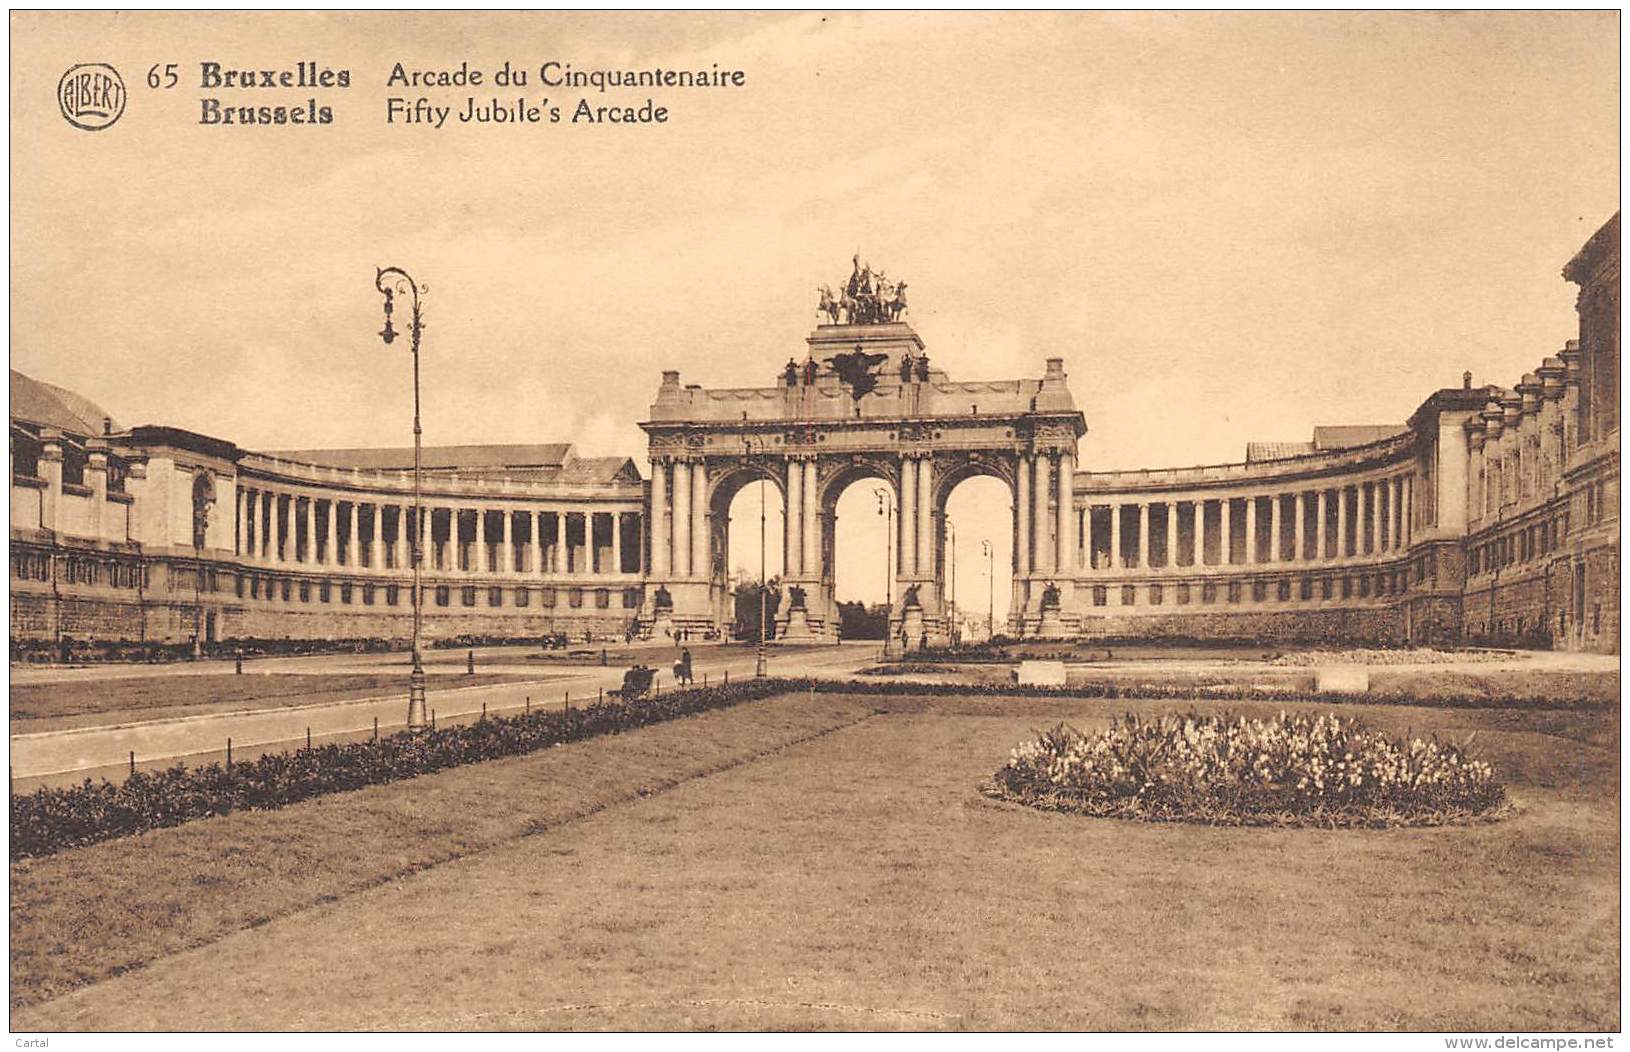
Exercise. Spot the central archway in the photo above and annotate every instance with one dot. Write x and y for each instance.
(860, 537)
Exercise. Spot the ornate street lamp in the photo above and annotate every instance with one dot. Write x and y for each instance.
(950, 545)
(391, 282)
(885, 508)
(763, 581)
(990, 575)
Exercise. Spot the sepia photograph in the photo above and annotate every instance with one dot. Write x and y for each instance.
(796, 521)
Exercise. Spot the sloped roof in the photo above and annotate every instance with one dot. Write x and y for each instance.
(1345, 436)
(47, 405)
(600, 469)
(473, 458)
(1255, 451)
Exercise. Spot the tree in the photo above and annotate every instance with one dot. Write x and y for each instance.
(746, 593)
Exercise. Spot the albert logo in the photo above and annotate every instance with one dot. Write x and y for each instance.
(91, 95)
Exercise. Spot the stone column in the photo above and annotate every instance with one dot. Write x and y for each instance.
(700, 535)
(506, 542)
(1171, 535)
(51, 470)
(812, 523)
(355, 556)
(1199, 538)
(682, 518)
(1299, 530)
(1143, 536)
(1276, 553)
(1021, 511)
(1039, 487)
(659, 519)
(1361, 538)
(1066, 513)
(1341, 523)
(1397, 511)
(1225, 550)
(1250, 531)
(375, 535)
(792, 543)
(1086, 539)
(311, 528)
(927, 557)
(562, 559)
(404, 539)
(1409, 508)
(1114, 535)
(1319, 553)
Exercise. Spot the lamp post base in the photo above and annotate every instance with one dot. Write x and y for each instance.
(758, 665)
(417, 720)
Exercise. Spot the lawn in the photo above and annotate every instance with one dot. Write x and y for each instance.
(813, 863)
(96, 702)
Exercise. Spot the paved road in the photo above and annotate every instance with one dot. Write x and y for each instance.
(67, 756)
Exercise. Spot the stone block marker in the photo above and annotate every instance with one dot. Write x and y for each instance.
(1342, 679)
(1041, 673)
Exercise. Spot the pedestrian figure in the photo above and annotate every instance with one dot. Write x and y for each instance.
(469, 664)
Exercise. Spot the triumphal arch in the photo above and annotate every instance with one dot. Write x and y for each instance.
(864, 401)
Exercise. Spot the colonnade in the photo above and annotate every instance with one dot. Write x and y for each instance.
(1304, 526)
(1045, 509)
(294, 529)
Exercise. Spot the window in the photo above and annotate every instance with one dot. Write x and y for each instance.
(1208, 592)
(367, 595)
(1346, 587)
(1259, 591)
(305, 591)
(1100, 595)
(632, 598)
(1129, 595)
(1284, 591)
(1182, 595)
(467, 595)
(285, 589)
(1364, 587)
(392, 594)
(1234, 591)
(444, 595)
(495, 596)
(523, 596)
(548, 596)
(574, 598)
(254, 588)
(1156, 595)
(240, 586)
(325, 592)
(1327, 588)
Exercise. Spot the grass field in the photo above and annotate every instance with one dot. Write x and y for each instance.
(828, 862)
(89, 703)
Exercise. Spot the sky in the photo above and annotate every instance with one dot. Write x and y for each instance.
(1231, 226)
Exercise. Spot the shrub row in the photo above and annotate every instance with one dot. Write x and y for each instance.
(48, 820)
(1113, 689)
(1291, 769)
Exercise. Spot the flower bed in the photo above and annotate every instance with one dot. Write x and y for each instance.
(48, 820)
(1291, 769)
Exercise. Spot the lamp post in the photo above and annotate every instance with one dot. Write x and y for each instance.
(885, 508)
(763, 580)
(392, 281)
(990, 575)
(950, 545)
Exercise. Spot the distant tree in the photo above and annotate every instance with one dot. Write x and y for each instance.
(746, 593)
(859, 621)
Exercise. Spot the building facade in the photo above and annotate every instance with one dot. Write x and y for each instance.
(1490, 515)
